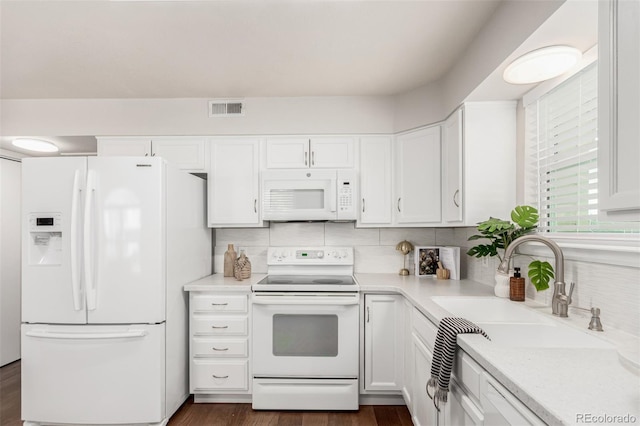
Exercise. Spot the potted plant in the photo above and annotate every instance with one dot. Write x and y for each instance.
(499, 233)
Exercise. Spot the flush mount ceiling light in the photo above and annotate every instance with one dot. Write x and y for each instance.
(35, 145)
(541, 64)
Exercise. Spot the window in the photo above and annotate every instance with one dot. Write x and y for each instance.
(561, 163)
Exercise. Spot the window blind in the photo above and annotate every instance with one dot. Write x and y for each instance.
(561, 163)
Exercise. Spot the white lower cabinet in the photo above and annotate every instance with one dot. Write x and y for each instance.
(219, 344)
(384, 342)
(424, 413)
(408, 376)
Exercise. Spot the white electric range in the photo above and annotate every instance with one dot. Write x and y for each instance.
(306, 331)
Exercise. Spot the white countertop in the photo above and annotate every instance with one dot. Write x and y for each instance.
(218, 282)
(556, 384)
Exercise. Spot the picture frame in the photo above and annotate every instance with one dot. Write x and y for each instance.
(426, 261)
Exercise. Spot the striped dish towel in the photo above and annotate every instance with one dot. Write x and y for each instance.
(444, 353)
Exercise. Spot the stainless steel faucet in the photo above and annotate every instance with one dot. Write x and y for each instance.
(561, 300)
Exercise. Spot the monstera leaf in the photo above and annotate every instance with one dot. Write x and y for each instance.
(494, 226)
(540, 274)
(482, 250)
(525, 216)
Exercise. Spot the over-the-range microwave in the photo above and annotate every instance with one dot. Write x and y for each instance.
(301, 195)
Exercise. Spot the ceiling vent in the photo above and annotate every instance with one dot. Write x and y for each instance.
(226, 108)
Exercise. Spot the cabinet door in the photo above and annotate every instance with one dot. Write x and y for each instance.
(417, 171)
(459, 410)
(452, 168)
(287, 153)
(383, 339)
(187, 153)
(424, 412)
(407, 382)
(618, 110)
(332, 152)
(233, 182)
(125, 146)
(375, 181)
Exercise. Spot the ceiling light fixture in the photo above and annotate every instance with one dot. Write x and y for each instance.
(541, 64)
(35, 145)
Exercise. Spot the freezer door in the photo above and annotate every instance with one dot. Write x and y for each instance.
(125, 240)
(52, 203)
(86, 374)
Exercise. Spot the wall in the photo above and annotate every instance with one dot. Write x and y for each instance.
(614, 289)
(131, 117)
(375, 248)
(10, 272)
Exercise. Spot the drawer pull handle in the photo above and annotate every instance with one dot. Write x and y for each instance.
(220, 304)
(219, 326)
(220, 349)
(220, 377)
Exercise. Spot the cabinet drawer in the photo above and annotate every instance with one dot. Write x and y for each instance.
(236, 303)
(424, 328)
(219, 348)
(467, 372)
(224, 375)
(219, 325)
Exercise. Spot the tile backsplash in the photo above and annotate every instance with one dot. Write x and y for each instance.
(613, 289)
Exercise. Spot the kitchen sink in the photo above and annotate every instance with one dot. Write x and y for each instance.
(541, 336)
(510, 324)
(489, 310)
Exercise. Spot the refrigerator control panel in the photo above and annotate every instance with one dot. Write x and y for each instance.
(45, 222)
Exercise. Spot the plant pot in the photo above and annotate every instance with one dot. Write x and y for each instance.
(501, 288)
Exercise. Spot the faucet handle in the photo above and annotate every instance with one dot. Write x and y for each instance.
(570, 292)
(595, 323)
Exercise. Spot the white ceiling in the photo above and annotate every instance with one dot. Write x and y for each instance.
(181, 49)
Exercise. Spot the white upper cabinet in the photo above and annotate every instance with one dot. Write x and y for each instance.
(185, 152)
(329, 152)
(124, 146)
(619, 110)
(417, 173)
(233, 182)
(479, 163)
(188, 153)
(375, 180)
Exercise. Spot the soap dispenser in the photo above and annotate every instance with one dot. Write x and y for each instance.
(516, 286)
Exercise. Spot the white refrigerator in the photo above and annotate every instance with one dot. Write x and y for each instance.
(108, 243)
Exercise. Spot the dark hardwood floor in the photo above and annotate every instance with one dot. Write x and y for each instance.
(191, 414)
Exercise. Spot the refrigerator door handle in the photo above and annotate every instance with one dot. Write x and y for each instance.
(88, 246)
(75, 279)
(85, 336)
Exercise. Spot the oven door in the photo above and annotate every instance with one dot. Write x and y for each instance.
(299, 195)
(305, 335)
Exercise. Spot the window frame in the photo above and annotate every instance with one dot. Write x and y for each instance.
(621, 249)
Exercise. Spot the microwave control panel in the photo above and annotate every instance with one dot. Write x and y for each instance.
(346, 193)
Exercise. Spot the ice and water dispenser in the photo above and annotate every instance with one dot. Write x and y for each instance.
(45, 239)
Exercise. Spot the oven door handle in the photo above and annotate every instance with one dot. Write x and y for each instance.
(305, 300)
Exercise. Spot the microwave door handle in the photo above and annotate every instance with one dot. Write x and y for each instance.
(335, 195)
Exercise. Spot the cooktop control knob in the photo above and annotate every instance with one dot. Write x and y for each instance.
(320, 254)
